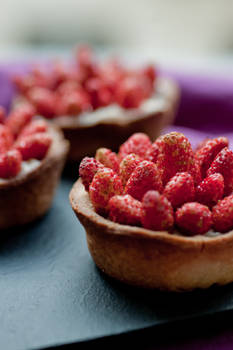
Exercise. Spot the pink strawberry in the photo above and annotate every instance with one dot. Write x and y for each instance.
(87, 170)
(223, 164)
(180, 189)
(105, 184)
(222, 214)
(127, 166)
(157, 212)
(146, 176)
(125, 210)
(194, 218)
(210, 190)
(175, 155)
(107, 158)
(205, 155)
(137, 143)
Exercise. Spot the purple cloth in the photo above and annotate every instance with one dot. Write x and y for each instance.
(206, 109)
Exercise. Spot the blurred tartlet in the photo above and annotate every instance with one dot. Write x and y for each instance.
(32, 156)
(100, 103)
(169, 225)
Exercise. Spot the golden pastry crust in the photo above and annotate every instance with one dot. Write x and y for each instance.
(152, 259)
(29, 195)
(86, 138)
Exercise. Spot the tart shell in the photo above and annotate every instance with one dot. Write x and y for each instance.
(112, 132)
(149, 259)
(29, 195)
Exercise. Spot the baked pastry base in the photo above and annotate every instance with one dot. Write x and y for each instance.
(149, 259)
(29, 195)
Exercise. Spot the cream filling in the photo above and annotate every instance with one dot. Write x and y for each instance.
(115, 112)
(26, 167)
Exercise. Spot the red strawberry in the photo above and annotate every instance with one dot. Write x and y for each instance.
(205, 155)
(34, 127)
(157, 212)
(6, 139)
(99, 93)
(19, 117)
(222, 214)
(146, 176)
(10, 164)
(223, 164)
(194, 218)
(152, 153)
(210, 190)
(201, 144)
(34, 146)
(132, 90)
(107, 158)
(105, 184)
(72, 103)
(137, 143)
(125, 210)
(87, 170)
(175, 155)
(127, 166)
(44, 101)
(180, 189)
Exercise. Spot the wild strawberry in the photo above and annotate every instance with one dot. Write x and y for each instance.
(19, 117)
(194, 218)
(105, 184)
(73, 103)
(2, 115)
(222, 214)
(180, 189)
(146, 176)
(127, 166)
(6, 138)
(157, 212)
(210, 190)
(125, 210)
(107, 158)
(175, 155)
(223, 164)
(137, 143)
(152, 153)
(205, 155)
(34, 146)
(131, 91)
(87, 170)
(10, 164)
(23, 83)
(99, 93)
(35, 126)
(44, 101)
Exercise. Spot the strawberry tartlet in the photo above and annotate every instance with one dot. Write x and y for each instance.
(159, 215)
(32, 156)
(99, 103)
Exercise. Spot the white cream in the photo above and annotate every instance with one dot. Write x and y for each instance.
(26, 167)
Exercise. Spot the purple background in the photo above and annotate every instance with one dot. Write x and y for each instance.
(206, 109)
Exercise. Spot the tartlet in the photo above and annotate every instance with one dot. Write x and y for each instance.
(149, 259)
(28, 195)
(173, 259)
(111, 126)
(67, 96)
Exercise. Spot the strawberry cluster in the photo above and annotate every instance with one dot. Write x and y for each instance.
(21, 138)
(163, 185)
(85, 86)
